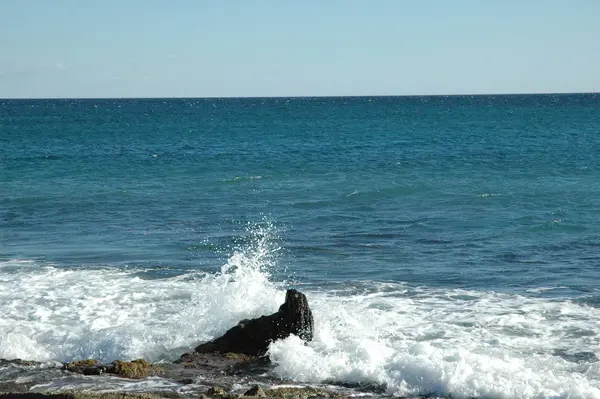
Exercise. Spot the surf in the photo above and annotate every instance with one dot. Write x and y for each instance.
(403, 338)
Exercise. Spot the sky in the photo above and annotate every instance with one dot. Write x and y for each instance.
(243, 48)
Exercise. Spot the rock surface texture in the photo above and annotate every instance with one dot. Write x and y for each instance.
(252, 337)
(135, 369)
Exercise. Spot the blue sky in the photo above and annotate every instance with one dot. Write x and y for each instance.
(205, 48)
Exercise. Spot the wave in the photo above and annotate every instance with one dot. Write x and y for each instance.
(450, 343)
(410, 340)
(52, 313)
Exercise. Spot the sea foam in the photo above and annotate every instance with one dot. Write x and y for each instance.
(410, 340)
(450, 343)
(54, 313)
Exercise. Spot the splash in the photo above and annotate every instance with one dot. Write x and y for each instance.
(52, 313)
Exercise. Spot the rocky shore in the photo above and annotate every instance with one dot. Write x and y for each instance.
(231, 366)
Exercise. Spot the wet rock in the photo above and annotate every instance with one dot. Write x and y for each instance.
(82, 395)
(256, 391)
(301, 393)
(35, 395)
(214, 362)
(135, 369)
(85, 367)
(217, 367)
(13, 387)
(18, 362)
(372, 387)
(252, 337)
(216, 392)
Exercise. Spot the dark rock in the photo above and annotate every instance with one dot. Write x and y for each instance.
(216, 365)
(216, 392)
(372, 387)
(256, 390)
(301, 393)
(252, 337)
(85, 367)
(18, 362)
(135, 369)
(86, 395)
(35, 395)
(13, 387)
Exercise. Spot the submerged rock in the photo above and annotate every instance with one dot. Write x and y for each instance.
(252, 337)
(274, 393)
(214, 364)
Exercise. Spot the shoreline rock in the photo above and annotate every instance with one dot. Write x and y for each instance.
(223, 363)
(252, 337)
(83, 395)
(255, 391)
(240, 351)
(136, 369)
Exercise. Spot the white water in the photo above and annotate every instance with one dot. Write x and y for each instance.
(448, 342)
(52, 313)
(415, 340)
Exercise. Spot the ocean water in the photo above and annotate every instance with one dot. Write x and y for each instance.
(449, 246)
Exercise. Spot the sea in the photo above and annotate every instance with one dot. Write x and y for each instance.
(449, 246)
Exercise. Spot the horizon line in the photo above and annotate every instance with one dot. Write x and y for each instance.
(301, 96)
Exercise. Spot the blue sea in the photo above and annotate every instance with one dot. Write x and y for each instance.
(448, 245)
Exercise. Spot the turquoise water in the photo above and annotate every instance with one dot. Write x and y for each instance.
(467, 208)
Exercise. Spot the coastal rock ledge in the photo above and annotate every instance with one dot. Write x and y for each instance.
(252, 337)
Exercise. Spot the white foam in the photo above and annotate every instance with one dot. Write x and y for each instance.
(414, 340)
(51, 313)
(449, 343)
(539, 290)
